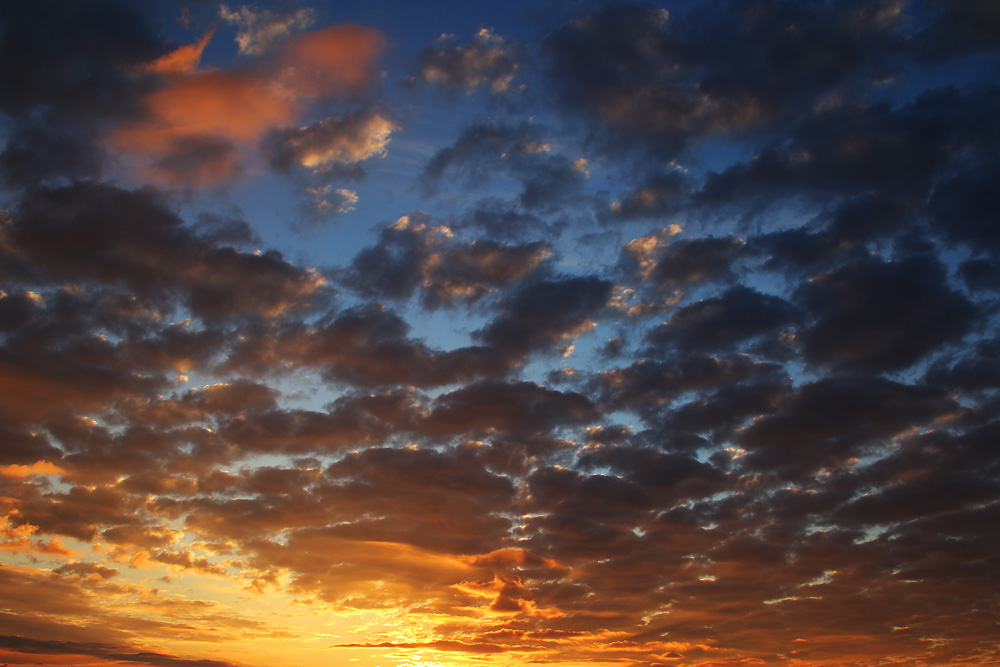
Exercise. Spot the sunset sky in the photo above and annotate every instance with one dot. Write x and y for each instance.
(450, 334)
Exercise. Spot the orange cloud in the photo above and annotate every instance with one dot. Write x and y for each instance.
(240, 105)
(182, 60)
(36, 468)
(332, 60)
(512, 557)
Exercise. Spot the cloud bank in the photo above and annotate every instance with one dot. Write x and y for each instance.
(674, 342)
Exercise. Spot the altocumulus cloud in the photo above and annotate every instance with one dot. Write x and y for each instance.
(633, 334)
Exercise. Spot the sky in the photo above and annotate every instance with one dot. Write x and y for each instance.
(450, 334)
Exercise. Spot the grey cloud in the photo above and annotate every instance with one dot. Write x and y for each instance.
(737, 315)
(881, 315)
(260, 30)
(488, 149)
(545, 314)
(826, 421)
(89, 232)
(366, 346)
(492, 406)
(682, 77)
(485, 60)
(412, 255)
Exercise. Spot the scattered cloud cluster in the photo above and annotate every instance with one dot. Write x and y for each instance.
(742, 411)
(486, 60)
(260, 30)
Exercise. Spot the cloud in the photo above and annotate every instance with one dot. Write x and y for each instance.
(486, 60)
(648, 386)
(667, 270)
(99, 242)
(70, 74)
(333, 142)
(511, 408)
(260, 30)
(546, 314)
(241, 105)
(182, 60)
(413, 256)
(659, 195)
(826, 421)
(489, 149)
(779, 59)
(882, 315)
(36, 468)
(201, 160)
(960, 28)
(962, 207)
(735, 316)
(103, 652)
(43, 45)
(365, 346)
(692, 358)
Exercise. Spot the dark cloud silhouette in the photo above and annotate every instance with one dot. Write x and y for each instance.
(68, 73)
(882, 315)
(489, 149)
(545, 314)
(89, 232)
(680, 77)
(103, 651)
(824, 422)
(74, 59)
(412, 255)
(737, 315)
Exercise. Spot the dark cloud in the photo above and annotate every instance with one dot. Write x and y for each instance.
(412, 255)
(649, 386)
(964, 209)
(198, 161)
(826, 421)
(502, 221)
(649, 74)
(97, 232)
(87, 569)
(365, 346)
(959, 28)
(488, 149)
(891, 156)
(101, 651)
(42, 151)
(719, 413)
(68, 73)
(73, 58)
(881, 315)
(546, 314)
(485, 60)
(665, 270)
(737, 315)
(507, 408)
(975, 372)
(658, 196)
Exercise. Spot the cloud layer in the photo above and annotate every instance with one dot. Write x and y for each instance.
(673, 343)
